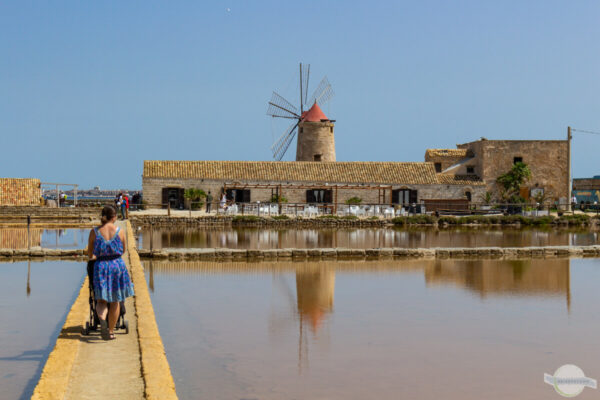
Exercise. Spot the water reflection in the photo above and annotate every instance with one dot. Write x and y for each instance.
(66, 238)
(354, 330)
(362, 238)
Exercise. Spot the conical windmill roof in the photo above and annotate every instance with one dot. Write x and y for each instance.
(314, 114)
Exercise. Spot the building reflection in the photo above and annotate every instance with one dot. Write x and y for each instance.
(548, 277)
(17, 238)
(250, 238)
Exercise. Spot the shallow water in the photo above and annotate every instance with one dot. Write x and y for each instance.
(34, 300)
(418, 329)
(245, 238)
(68, 238)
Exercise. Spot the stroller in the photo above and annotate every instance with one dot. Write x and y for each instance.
(94, 322)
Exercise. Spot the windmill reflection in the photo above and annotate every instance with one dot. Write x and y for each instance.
(310, 307)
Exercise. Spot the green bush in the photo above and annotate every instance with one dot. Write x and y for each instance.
(280, 217)
(328, 217)
(574, 219)
(278, 199)
(354, 200)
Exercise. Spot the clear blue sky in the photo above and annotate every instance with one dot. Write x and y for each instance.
(88, 90)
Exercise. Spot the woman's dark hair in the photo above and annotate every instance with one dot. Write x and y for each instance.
(108, 213)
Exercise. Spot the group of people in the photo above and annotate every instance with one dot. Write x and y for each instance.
(223, 203)
(122, 203)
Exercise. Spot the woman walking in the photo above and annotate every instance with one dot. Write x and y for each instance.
(112, 284)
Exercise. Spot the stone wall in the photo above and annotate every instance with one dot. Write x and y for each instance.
(445, 161)
(547, 159)
(19, 192)
(152, 188)
(315, 138)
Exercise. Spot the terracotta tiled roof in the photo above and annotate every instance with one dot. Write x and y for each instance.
(415, 173)
(454, 153)
(296, 171)
(315, 114)
(449, 179)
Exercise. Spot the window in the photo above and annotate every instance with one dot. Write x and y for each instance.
(517, 159)
(318, 196)
(470, 169)
(172, 196)
(438, 167)
(331, 129)
(317, 157)
(238, 195)
(404, 196)
(468, 195)
(301, 129)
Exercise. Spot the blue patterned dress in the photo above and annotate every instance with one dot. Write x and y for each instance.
(111, 278)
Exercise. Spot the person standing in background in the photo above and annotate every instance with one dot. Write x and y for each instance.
(209, 200)
(126, 201)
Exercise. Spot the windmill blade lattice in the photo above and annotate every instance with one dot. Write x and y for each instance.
(280, 107)
(283, 143)
(323, 93)
(305, 75)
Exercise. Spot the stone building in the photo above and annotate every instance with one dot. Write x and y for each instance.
(485, 159)
(19, 192)
(307, 182)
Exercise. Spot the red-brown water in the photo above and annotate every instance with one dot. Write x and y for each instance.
(418, 329)
(34, 300)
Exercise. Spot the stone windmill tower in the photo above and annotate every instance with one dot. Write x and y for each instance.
(315, 131)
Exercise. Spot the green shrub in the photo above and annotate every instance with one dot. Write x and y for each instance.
(328, 217)
(282, 217)
(278, 199)
(547, 220)
(354, 200)
(574, 219)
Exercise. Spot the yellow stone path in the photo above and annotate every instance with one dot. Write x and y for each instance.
(133, 366)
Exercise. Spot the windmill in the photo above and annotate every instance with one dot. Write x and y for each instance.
(279, 107)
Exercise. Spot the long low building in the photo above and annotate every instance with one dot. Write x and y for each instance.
(404, 183)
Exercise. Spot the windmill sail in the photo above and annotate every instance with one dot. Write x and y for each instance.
(280, 107)
(283, 143)
(323, 93)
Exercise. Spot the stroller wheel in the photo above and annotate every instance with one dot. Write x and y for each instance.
(86, 330)
(126, 327)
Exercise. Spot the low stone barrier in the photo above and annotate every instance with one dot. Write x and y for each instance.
(321, 253)
(159, 384)
(377, 253)
(38, 252)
